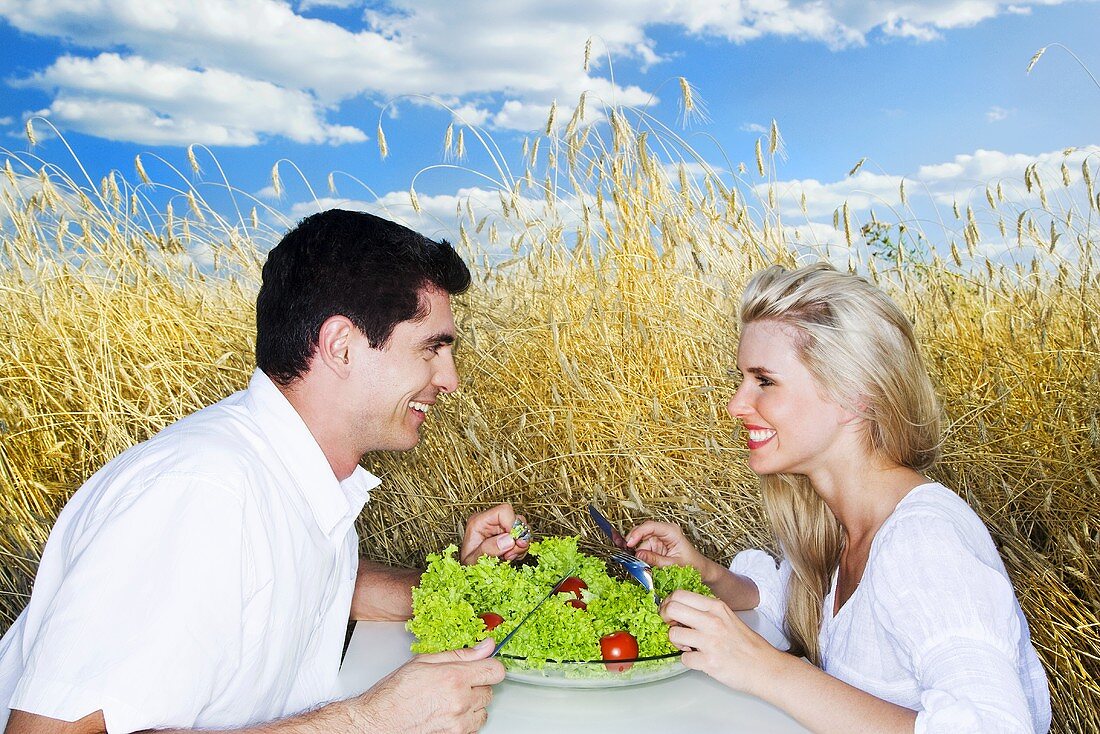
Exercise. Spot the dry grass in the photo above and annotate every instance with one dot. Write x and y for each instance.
(594, 361)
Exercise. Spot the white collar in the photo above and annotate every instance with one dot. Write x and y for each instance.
(335, 504)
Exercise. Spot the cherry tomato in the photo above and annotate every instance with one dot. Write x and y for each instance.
(491, 620)
(572, 585)
(577, 604)
(619, 645)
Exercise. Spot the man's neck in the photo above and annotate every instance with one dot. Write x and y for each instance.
(302, 396)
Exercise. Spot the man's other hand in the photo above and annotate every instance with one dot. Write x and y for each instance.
(443, 692)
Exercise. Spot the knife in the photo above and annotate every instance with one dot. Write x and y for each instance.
(527, 616)
(605, 525)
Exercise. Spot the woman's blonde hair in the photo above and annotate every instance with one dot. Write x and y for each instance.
(860, 349)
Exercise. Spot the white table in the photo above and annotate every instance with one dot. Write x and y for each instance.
(690, 702)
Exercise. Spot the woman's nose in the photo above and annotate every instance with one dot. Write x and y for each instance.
(738, 407)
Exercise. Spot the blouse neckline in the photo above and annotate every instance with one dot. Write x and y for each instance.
(830, 598)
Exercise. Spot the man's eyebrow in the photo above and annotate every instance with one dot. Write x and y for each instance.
(438, 340)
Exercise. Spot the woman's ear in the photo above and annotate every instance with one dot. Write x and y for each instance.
(853, 415)
(334, 344)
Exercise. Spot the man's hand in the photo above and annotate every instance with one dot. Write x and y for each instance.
(489, 533)
(443, 692)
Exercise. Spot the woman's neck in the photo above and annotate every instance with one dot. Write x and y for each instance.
(862, 500)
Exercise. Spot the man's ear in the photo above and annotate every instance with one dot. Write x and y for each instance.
(334, 344)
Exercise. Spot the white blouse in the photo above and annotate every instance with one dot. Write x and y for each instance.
(934, 624)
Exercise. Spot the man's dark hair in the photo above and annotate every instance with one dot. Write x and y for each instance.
(346, 263)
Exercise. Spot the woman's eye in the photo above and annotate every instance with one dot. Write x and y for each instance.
(763, 381)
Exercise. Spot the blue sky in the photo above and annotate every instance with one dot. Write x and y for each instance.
(934, 93)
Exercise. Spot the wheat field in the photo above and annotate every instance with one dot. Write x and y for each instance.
(595, 349)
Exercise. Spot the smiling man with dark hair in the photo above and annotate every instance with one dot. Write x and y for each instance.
(204, 578)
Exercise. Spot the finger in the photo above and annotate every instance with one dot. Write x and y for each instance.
(483, 673)
(653, 558)
(518, 551)
(696, 601)
(495, 520)
(498, 518)
(474, 720)
(693, 659)
(495, 545)
(686, 638)
(480, 697)
(642, 532)
(688, 616)
(479, 651)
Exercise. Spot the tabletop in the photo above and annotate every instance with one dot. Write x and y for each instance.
(690, 702)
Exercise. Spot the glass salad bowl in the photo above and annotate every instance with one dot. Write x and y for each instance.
(592, 673)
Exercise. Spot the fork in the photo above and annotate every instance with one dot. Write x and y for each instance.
(638, 569)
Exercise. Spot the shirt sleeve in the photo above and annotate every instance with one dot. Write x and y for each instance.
(952, 616)
(770, 580)
(145, 623)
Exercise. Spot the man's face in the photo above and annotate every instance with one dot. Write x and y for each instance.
(395, 387)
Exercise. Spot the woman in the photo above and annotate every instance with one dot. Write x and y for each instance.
(890, 585)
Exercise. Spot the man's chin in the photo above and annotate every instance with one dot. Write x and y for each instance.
(409, 443)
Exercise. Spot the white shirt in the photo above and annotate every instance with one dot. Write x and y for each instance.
(202, 579)
(934, 624)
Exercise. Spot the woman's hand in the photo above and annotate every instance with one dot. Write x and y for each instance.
(664, 544)
(717, 642)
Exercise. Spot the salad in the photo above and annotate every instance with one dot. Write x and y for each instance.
(457, 606)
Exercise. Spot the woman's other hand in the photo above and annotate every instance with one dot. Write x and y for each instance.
(717, 642)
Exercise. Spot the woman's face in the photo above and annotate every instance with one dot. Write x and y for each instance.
(791, 428)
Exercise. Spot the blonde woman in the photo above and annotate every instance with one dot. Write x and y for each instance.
(890, 585)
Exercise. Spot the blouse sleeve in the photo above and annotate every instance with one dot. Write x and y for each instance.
(770, 580)
(952, 617)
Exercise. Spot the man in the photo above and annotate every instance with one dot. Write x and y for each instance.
(204, 578)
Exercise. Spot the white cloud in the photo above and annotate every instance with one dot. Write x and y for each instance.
(835, 22)
(754, 127)
(441, 214)
(962, 179)
(129, 98)
(996, 114)
(862, 191)
(694, 171)
(934, 192)
(471, 114)
(526, 55)
(311, 4)
(503, 62)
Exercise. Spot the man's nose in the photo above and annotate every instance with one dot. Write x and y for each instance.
(446, 377)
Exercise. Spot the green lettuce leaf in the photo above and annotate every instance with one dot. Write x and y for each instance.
(450, 597)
